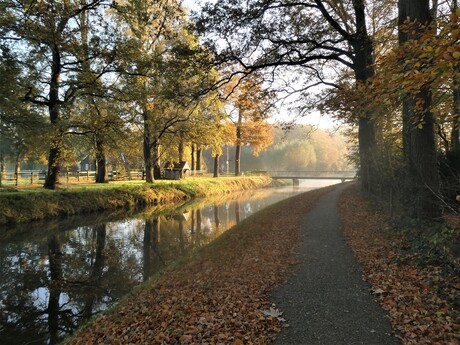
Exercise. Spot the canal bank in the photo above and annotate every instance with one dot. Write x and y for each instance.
(31, 204)
(71, 268)
(219, 295)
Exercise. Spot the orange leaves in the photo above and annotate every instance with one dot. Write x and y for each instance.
(419, 300)
(219, 296)
(429, 61)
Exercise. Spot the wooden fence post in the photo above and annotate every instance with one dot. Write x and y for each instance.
(32, 177)
(17, 177)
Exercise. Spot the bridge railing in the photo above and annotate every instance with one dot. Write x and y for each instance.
(306, 174)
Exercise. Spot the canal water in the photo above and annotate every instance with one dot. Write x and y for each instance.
(55, 275)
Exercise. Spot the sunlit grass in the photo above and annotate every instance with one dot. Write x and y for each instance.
(24, 204)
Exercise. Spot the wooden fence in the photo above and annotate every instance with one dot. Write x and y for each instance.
(35, 177)
(38, 177)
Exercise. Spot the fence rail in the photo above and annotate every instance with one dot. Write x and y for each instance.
(35, 177)
(312, 174)
(29, 177)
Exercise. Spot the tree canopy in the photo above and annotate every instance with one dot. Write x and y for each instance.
(401, 97)
(136, 82)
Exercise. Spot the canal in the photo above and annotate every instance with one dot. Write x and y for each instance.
(57, 274)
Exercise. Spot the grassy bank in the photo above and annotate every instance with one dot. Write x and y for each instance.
(21, 205)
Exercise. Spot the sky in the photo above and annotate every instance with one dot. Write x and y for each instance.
(314, 118)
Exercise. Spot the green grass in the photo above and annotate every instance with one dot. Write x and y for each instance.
(26, 204)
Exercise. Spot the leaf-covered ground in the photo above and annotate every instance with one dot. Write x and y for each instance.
(220, 295)
(422, 300)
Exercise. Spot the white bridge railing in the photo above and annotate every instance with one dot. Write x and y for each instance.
(312, 174)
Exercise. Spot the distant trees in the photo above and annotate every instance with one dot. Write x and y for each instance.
(303, 148)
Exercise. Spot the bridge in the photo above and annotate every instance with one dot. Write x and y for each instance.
(312, 175)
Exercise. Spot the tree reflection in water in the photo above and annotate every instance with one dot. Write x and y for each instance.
(48, 286)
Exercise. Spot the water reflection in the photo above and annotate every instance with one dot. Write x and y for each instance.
(49, 284)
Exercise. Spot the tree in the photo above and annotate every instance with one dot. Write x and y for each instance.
(47, 43)
(158, 42)
(96, 116)
(208, 129)
(302, 148)
(418, 120)
(276, 36)
(250, 106)
(455, 134)
(22, 126)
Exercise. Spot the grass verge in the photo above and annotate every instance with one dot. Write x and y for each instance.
(21, 205)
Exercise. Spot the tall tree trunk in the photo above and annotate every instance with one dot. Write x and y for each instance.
(54, 168)
(455, 139)
(418, 124)
(101, 163)
(238, 145)
(17, 167)
(363, 67)
(181, 146)
(2, 167)
(2, 163)
(216, 166)
(192, 165)
(198, 157)
(147, 149)
(156, 159)
(237, 160)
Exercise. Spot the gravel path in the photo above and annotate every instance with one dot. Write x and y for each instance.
(326, 301)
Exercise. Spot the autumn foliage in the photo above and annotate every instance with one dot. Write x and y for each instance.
(421, 299)
(220, 295)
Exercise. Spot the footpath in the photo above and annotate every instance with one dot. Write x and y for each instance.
(325, 300)
(219, 295)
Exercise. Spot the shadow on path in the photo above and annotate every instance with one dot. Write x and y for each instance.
(325, 301)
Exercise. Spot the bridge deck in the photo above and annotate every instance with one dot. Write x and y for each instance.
(313, 175)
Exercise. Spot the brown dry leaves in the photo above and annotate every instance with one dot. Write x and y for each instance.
(420, 301)
(218, 296)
